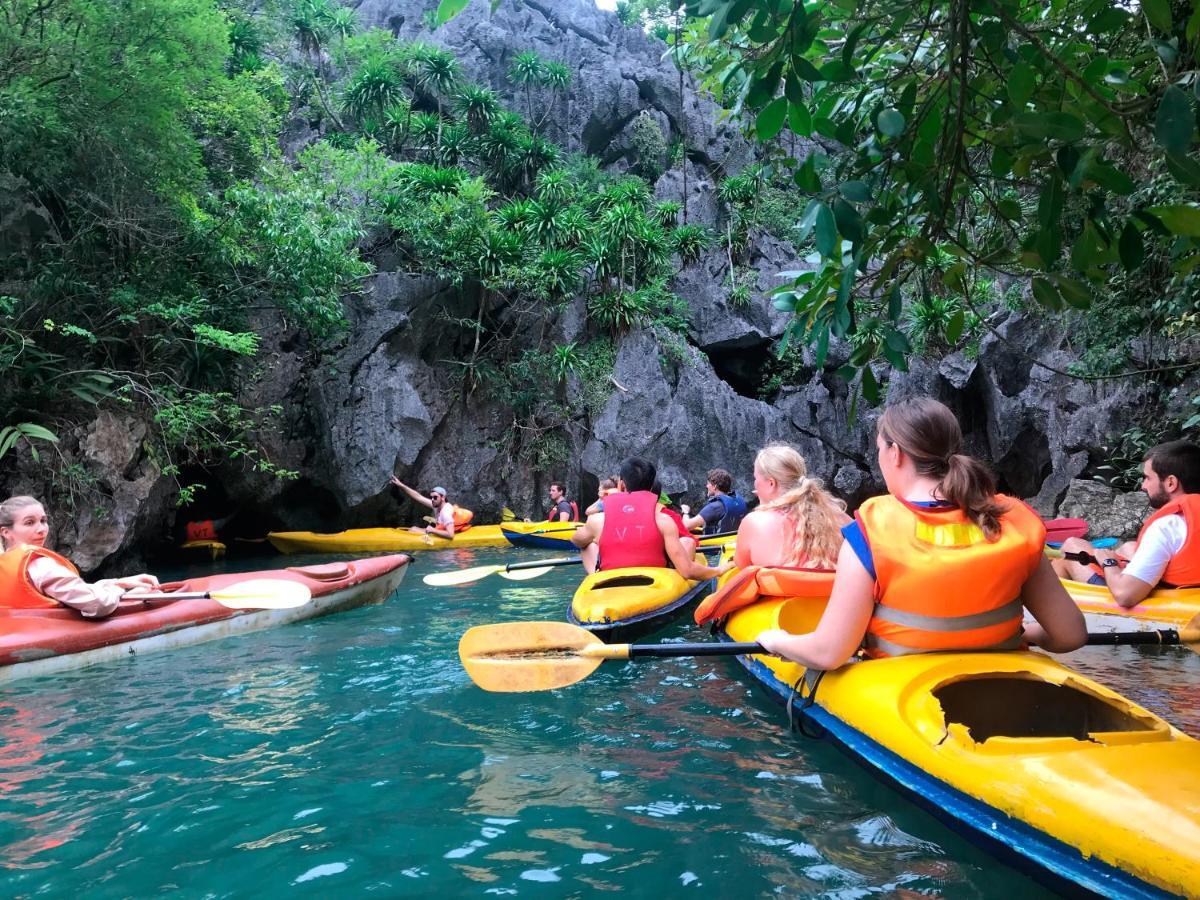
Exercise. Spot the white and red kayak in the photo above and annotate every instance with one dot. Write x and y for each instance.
(42, 642)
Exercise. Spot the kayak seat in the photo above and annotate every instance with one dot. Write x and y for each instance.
(1012, 706)
(324, 572)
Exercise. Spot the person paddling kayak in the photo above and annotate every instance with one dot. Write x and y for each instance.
(632, 532)
(32, 577)
(1167, 550)
(448, 519)
(940, 562)
(797, 522)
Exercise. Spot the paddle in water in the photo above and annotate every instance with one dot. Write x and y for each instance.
(256, 593)
(540, 656)
(465, 576)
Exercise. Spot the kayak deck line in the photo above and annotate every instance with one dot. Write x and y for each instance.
(632, 627)
(210, 622)
(1038, 763)
(1176, 608)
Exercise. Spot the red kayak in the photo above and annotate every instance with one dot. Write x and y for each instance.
(1058, 530)
(41, 642)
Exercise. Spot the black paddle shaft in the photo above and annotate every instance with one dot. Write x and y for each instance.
(728, 649)
(1167, 637)
(543, 563)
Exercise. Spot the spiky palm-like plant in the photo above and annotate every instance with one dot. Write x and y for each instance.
(689, 241)
(558, 272)
(555, 185)
(557, 77)
(454, 145)
(373, 89)
(342, 22)
(394, 127)
(666, 212)
(526, 70)
(439, 73)
(477, 105)
(424, 127)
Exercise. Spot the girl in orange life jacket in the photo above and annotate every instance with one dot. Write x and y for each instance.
(32, 577)
(941, 562)
(632, 532)
(797, 522)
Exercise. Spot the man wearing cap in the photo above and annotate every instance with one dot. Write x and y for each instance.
(443, 512)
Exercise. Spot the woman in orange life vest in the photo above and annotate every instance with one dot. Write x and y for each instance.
(940, 562)
(797, 522)
(32, 577)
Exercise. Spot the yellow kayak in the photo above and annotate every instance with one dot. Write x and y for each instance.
(212, 549)
(1019, 753)
(623, 604)
(371, 540)
(1176, 608)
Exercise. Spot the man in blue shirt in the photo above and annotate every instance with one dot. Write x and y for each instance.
(723, 511)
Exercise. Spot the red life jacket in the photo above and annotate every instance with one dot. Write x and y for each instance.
(678, 520)
(630, 536)
(940, 584)
(552, 516)
(16, 590)
(201, 531)
(1184, 568)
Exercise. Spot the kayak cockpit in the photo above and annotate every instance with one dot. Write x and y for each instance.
(1014, 711)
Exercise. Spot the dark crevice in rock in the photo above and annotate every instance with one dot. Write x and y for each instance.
(744, 366)
(1023, 469)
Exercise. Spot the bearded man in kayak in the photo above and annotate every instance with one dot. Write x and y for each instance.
(724, 510)
(32, 577)
(633, 532)
(444, 524)
(1167, 551)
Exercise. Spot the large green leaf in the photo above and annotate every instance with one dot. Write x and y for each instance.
(891, 122)
(1175, 122)
(1159, 13)
(1050, 126)
(770, 120)
(448, 9)
(1179, 219)
(826, 232)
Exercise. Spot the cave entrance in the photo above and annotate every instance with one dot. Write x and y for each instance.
(745, 366)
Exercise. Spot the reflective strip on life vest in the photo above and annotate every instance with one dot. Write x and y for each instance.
(1004, 613)
(889, 648)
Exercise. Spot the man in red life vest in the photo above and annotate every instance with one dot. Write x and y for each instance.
(632, 532)
(561, 509)
(1167, 551)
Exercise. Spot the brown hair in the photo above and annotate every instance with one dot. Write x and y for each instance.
(812, 512)
(721, 480)
(930, 436)
(1178, 458)
(9, 509)
(608, 484)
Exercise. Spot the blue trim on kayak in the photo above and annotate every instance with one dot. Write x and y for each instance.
(538, 541)
(1029, 849)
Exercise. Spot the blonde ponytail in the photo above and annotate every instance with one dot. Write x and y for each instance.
(812, 513)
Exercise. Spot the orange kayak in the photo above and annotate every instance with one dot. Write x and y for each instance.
(45, 641)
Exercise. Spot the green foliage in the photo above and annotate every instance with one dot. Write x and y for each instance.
(1008, 137)
(649, 147)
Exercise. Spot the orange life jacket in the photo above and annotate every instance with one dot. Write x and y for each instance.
(201, 531)
(462, 518)
(940, 584)
(1184, 568)
(753, 582)
(16, 590)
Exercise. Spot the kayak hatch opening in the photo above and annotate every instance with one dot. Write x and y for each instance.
(1012, 706)
(624, 581)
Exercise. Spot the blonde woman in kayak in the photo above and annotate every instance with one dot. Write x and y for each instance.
(797, 522)
(940, 562)
(32, 577)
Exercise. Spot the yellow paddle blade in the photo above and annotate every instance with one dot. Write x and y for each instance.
(526, 574)
(507, 515)
(263, 593)
(532, 656)
(462, 576)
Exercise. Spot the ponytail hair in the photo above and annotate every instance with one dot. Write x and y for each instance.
(813, 514)
(9, 509)
(930, 436)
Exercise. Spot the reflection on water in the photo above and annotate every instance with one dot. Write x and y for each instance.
(352, 754)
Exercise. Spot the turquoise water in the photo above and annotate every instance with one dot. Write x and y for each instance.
(352, 754)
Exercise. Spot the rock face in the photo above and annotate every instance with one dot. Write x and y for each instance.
(1108, 513)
